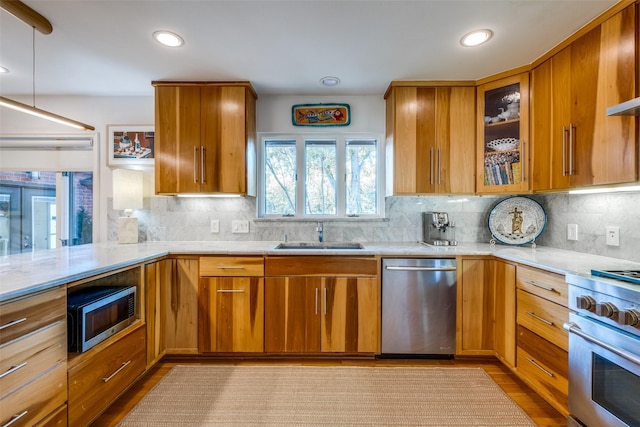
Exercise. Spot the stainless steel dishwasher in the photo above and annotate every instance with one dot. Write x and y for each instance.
(418, 306)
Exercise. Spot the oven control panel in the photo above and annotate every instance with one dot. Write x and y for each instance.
(615, 311)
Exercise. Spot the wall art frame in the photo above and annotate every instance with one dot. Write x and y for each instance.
(123, 149)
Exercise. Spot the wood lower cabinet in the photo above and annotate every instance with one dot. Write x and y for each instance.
(574, 142)
(205, 139)
(476, 305)
(231, 314)
(542, 343)
(430, 137)
(180, 305)
(332, 305)
(504, 277)
(98, 377)
(33, 358)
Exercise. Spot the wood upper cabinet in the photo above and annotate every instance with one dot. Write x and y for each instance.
(574, 142)
(430, 139)
(503, 136)
(205, 136)
(331, 305)
(231, 316)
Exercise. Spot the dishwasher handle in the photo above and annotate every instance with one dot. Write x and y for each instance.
(411, 268)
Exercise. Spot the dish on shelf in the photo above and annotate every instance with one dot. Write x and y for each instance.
(503, 144)
(517, 220)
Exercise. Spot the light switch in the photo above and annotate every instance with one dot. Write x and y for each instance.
(572, 231)
(215, 226)
(240, 226)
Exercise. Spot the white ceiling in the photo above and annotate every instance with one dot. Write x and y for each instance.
(104, 47)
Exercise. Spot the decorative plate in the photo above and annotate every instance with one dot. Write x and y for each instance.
(517, 220)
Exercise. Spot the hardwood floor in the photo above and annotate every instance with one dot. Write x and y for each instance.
(540, 411)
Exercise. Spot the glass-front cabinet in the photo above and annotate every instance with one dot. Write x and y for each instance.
(503, 132)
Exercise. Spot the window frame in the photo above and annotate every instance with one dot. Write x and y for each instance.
(341, 144)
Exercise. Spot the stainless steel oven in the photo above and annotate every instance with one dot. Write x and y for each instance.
(604, 352)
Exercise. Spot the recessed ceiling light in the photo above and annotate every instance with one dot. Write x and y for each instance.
(330, 81)
(3, 70)
(168, 38)
(476, 38)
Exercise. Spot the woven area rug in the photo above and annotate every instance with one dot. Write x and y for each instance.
(325, 396)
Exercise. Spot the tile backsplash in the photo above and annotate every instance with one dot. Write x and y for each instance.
(189, 219)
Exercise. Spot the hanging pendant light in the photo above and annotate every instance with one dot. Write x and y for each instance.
(29, 16)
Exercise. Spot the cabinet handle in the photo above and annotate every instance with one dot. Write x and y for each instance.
(12, 323)
(431, 166)
(571, 148)
(324, 302)
(230, 267)
(564, 151)
(537, 365)
(316, 301)
(524, 160)
(124, 365)
(439, 171)
(15, 418)
(538, 285)
(539, 318)
(195, 164)
(12, 369)
(202, 165)
(230, 291)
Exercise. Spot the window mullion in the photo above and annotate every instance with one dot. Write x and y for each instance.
(300, 176)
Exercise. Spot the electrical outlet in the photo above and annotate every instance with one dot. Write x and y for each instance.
(240, 226)
(613, 235)
(215, 226)
(572, 231)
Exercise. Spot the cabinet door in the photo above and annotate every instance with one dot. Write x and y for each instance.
(180, 306)
(454, 156)
(157, 275)
(503, 136)
(177, 140)
(350, 315)
(411, 139)
(505, 309)
(476, 295)
(603, 64)
(292, 307)
(231, 317)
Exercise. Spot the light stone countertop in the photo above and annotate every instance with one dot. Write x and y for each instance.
(32, 272)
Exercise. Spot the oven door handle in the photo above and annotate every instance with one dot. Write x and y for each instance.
(573, 328)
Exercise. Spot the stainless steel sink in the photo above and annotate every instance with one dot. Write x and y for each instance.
(313, 245)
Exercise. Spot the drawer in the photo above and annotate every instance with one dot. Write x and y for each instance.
(26, 315)
(545, 367)
(321, 266)
(56, 419)
(28, 357)
(37, 399)
(231, 266)
(547, 285)
(543, 317)
(95, 382)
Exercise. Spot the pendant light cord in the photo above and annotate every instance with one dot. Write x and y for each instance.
(33, 62)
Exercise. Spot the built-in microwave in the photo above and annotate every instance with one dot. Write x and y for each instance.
(96, 313)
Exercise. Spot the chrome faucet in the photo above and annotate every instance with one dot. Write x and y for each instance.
(319, 229)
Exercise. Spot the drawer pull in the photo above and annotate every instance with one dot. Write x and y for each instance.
(537, 365)
(12, 323)
(538, 285)
(539, 318)
(124, 365)
(231, 267)
(230, 291)
(12, 369)
(15, 418)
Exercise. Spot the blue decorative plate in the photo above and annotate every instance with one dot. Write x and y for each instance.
(517, 220)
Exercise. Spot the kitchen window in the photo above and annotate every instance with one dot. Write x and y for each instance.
(318, 176)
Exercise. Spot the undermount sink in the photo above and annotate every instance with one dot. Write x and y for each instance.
(313, 245)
